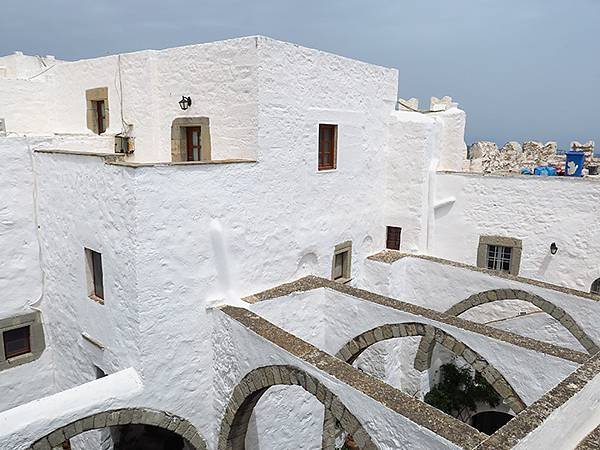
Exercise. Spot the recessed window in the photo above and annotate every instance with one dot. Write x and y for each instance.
(95, 274)
(21, 339)
(16, 342)
(595, 287)
(190, 139)
(499, 253)
(97, 109)
(327, 146)
(393, 238)
(341, 266)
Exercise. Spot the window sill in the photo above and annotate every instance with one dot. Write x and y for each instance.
(96, 299)
(327, 170)
(19, 358)
(343, 280)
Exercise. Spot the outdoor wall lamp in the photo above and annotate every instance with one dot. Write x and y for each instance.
(553, 248)
(185, 102)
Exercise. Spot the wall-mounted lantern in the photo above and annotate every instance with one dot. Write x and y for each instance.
(553, 248)
(185, 102)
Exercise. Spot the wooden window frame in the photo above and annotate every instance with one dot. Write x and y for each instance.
(343, 248)
(99, 110)
(332, 150)
(18, 352)
(98, 119)
(390, 243)
(189, 142)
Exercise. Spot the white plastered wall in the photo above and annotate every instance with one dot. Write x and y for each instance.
(538, 210)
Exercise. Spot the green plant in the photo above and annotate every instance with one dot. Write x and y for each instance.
(458, 392)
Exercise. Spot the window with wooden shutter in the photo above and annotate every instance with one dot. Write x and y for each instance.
(327, 146)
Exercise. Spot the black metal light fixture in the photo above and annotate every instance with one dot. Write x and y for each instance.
(185, 102)
(553, 248)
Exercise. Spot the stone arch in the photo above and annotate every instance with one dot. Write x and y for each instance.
(431, 336)
(248, 392)
(124, 416)
(557, 312)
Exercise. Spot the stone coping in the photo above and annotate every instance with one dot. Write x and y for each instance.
(77, 153)
(116, 159)
(532, 417)
(592, 178)
(415, 410)
(312, 282)
(391, 256)
(591, 441)
(181, 163)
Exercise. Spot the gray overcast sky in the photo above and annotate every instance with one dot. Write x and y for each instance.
(522, 69)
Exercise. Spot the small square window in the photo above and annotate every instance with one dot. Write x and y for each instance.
(327, 146)
(393, 238)
(499, 253)
(16, 342)
(499, 258)
(94, 274)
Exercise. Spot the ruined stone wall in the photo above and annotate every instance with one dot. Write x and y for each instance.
(486, 157)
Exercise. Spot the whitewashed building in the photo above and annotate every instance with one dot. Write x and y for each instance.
(206, 246)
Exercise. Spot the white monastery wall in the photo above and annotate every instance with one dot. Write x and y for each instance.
(20, 272)
(151, 225)
(387, 429)
(538, 210)
(220, 77)
(81, 208)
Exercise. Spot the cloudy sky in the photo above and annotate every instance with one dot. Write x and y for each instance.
(522, 69)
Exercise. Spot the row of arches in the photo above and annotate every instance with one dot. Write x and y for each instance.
(337, 419)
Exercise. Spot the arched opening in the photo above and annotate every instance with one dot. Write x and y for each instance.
(433, 336)
(595, 289)
(126, 429)
(489, 422)
(337, 421)
(553, 310)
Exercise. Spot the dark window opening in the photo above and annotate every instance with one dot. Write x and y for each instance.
(99, 114)
(393, 238)
(498, 258)
(490, 421)
(96, 276)
(327, 146)
(16, 342)
(595, 287)
(99, 372)
(193, 143)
